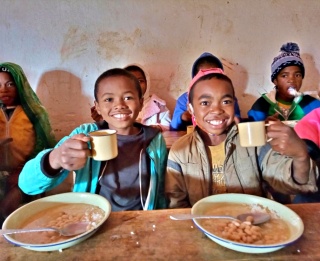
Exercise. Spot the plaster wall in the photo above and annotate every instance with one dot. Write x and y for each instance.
(64, 45)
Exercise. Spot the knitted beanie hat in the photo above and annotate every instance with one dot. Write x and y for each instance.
(289, 55)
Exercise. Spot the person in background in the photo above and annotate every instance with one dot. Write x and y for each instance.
(181, 116)
(134, 180)
(25, 124)
(154, 111)
(308, 128)
(285, 102)
(211, 161)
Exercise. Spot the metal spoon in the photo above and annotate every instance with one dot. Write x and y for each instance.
(258, 218)
(69, 230)
(292, 91)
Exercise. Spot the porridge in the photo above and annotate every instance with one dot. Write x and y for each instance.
(274, 231)
(58, 217)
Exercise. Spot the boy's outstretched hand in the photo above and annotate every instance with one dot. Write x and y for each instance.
(287, 142)
(72, 154)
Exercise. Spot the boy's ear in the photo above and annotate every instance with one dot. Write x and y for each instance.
(190, 108)
(275, 82)
(96, 104)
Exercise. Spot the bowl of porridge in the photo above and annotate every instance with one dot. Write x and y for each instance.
(57, 211)
(283, 228)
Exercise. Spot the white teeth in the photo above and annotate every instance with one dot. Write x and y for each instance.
(215, 122)
(119, 116)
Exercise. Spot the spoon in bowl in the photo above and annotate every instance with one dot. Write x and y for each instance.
(69, 230)
(258, 218)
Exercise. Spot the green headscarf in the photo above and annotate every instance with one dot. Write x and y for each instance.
(33, 108)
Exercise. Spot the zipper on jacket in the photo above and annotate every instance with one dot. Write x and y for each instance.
(7, 123)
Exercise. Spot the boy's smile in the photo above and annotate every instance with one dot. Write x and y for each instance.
(213, 103)
(119, 103)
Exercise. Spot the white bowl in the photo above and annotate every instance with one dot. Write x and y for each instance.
(290, 217)
(23, 213)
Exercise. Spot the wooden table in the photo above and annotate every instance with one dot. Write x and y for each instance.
(171, 136)
(152, 235)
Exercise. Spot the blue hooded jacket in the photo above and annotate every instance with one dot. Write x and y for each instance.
(33, 180)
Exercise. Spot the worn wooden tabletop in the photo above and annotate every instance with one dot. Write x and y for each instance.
(152, 235)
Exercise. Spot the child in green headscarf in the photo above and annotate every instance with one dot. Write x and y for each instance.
(24, 131)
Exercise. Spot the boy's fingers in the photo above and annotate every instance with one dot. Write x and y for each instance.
(81, 137)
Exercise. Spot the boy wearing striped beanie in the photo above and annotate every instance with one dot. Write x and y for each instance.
(285, 102)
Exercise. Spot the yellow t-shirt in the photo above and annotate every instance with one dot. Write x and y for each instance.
(217, 159)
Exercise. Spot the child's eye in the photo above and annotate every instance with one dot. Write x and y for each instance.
(108, 99)
(128, 98)
(298, 75)
(204, 103)
(10, 84)
(141, 81)
(227, 102)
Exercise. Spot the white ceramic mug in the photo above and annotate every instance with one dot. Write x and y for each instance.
(252, 134)
(104, 145)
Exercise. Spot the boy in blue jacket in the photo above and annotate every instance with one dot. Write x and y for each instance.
(134, 180)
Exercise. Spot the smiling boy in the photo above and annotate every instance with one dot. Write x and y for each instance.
(211, 161)
(134, 179)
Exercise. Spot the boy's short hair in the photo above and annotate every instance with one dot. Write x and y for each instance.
(134, 68)
(205, 58)
(209, 76)
(289, 56)
(114, 73)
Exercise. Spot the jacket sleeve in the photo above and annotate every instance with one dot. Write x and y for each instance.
(33, 180)
(277, 171)
(309, 103)
(181, 106)
(259, 110)
(175, 188)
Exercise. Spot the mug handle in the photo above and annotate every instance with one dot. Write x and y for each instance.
(270, 139)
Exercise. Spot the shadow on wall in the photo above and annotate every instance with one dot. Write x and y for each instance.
(61, 93)
(239, 76)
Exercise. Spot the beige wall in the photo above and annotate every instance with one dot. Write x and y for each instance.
(64, 45)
